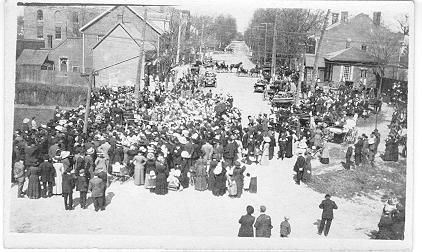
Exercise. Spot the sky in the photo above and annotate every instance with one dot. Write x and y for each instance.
(242, 10)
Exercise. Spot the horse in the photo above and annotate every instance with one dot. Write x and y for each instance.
(235, 66)
(241, 70)
(254, 72)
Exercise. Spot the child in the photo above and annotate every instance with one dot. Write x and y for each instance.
(173, 181)
(231, 185)
(247, 182)
(82, 187)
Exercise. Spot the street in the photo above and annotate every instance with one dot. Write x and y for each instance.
(135, 211)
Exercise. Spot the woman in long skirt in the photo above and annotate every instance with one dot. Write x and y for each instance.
(307, 171)
(139, 170)
(253, 185)
(211, 175)
(201, 175)
(265, 159)
(162, 173)
(150, 172)
(289, 146)
(58, 166)
(34, 185)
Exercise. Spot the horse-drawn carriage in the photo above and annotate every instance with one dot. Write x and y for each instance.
(221, 67)
(241, 72)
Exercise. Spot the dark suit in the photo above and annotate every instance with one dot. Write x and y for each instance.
(246, 226)
(48, 174)
(96, 186)
(68, 183)
(263, 226)
(327, 207)
(299, 168)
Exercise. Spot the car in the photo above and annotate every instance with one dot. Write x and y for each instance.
(282, 99)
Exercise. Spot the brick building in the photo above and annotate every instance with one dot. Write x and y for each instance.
(105, 44)
(349, 37)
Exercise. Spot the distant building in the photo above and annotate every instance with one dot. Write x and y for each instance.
(345, 37)
(115, 36)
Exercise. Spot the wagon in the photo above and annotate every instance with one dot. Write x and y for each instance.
(282, 99)
(259, 86)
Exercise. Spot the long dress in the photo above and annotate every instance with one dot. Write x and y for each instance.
(220, 184)
(289, 146)
(253, 186)
(34, 186)
(201, 176)
(139, 171)
(161, 186)
(149, 180)
(238, 177)
(58, 180)
(265, 159)
(307, 171)
(211, 175)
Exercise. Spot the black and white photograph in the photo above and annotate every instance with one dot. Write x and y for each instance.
(209, 125)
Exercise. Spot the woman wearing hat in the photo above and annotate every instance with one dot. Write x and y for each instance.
(211, 175)
(161, 186)
(238, 177)
(219, 188)
(184, 169)
(307, 170)
(64, 157)
(150, 172)
(139, 169)
(34, 186)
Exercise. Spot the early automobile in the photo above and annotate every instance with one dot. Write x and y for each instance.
(259, 86)
(282, 99)
(210, 79)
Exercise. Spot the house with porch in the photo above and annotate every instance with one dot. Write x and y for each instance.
(344, 52)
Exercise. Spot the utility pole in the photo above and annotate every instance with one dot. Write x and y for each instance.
(318, 50)
(91, 77)
(140, 73)
(202, 38)
(265, 42)
(273, 56)
(179, 37)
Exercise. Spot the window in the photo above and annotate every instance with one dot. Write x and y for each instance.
(311, 46)
(58, 32)
(40, 34)
(75, 30)
(120, 17)
(347, 71)
(363, 73)
(40, 15)
(75, 17)
(363, 47)
(334, 18)
(63, 64)
(75, 69)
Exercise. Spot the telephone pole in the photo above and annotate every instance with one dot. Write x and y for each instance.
(91, 77)
(202, 38)
(273, 56)
(140, 74)
(265, 42)
(179, 37)
(317, 54)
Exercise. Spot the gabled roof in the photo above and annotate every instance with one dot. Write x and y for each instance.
(351, 54)
(32, 57)
(96, 19)
(132, 32)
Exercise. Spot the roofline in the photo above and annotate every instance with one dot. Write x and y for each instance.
(146, 21)
(114, 28)
(352, 62)
(97, 18)
(111, 9)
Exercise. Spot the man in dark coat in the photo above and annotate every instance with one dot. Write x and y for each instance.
(96, 186)
(103, 175)
(358, 151)
(263, 224)
(349, 154)
(68, 184)
(299, 167)
(327, 207)
(282, 145)
(272, 146)
(48, 174)
(82, 187)
(230, 152)
(238, 177)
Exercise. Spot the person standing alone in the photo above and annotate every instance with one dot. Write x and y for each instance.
(327, 207)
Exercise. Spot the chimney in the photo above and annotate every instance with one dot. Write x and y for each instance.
(376, 18)
(334, 18)
(344, 16)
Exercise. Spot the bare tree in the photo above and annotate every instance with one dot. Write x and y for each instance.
(385, 48)
(404, 24)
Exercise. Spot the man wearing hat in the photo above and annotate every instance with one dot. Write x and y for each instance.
(68, 183)
(327, 207)
(263, 224)
(299, 166)
(82, 187)
(96, 187)
(48, 175)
